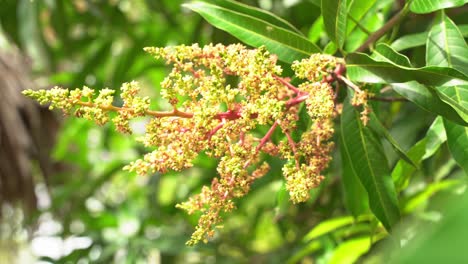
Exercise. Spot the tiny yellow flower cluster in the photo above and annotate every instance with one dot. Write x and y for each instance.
(214, 114)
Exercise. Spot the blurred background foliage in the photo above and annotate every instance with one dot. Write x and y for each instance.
(89, 211)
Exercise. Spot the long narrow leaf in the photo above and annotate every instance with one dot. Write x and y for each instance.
(457, 139)
(429, 6)
(446, 46)
(288, 45)
(255, 12)
(368, 159)
(427, 98)
(419, 39)
(363, 68)
(334, 19)
(355, 196)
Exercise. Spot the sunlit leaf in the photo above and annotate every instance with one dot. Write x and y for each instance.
(428, 6)
(329, 225)
(334, 19)
(383, 52)
(446, 46)
(349, 251)
(254, 12)
(288, 45)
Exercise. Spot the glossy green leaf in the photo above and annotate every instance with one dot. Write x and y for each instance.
(456, 97)
(457, 139)
(354, 194)
(288, 45)
(428, 6)
(254, 12)
(446, 46)
(436, 136)
(419, 39)
(368, 160)
(383, 52)
(349, 251)
(334, 19)
(357, 9)
(427, 98)
(363, 68)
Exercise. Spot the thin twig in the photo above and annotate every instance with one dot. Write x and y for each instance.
(383, 30)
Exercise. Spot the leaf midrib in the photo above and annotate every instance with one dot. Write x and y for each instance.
(255, 33)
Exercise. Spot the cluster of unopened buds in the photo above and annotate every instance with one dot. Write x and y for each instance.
(223, 120)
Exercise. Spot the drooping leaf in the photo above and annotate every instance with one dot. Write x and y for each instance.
(429, 6)
(288, 45)
(383, 52)
(368, 160)
(334, 19)
(363, 68)
(457, 139)
(419, 39)
(427, 98)
(354, 194)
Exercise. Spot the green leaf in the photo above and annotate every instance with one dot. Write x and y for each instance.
(357, 10)
(377, 127)
(428, 6)
(456, 97)
(334, 19)
(427, 98)
(362, 68)
(402, 172)
(288, 45)
(446, 46)
(422, 150)
(354, 194)
(255, 13)
(349, 251)
(383, 52)
(428, 192)
(436, 136)
(366, 153)
(331, 225)
(457, 139)
(419, 39)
